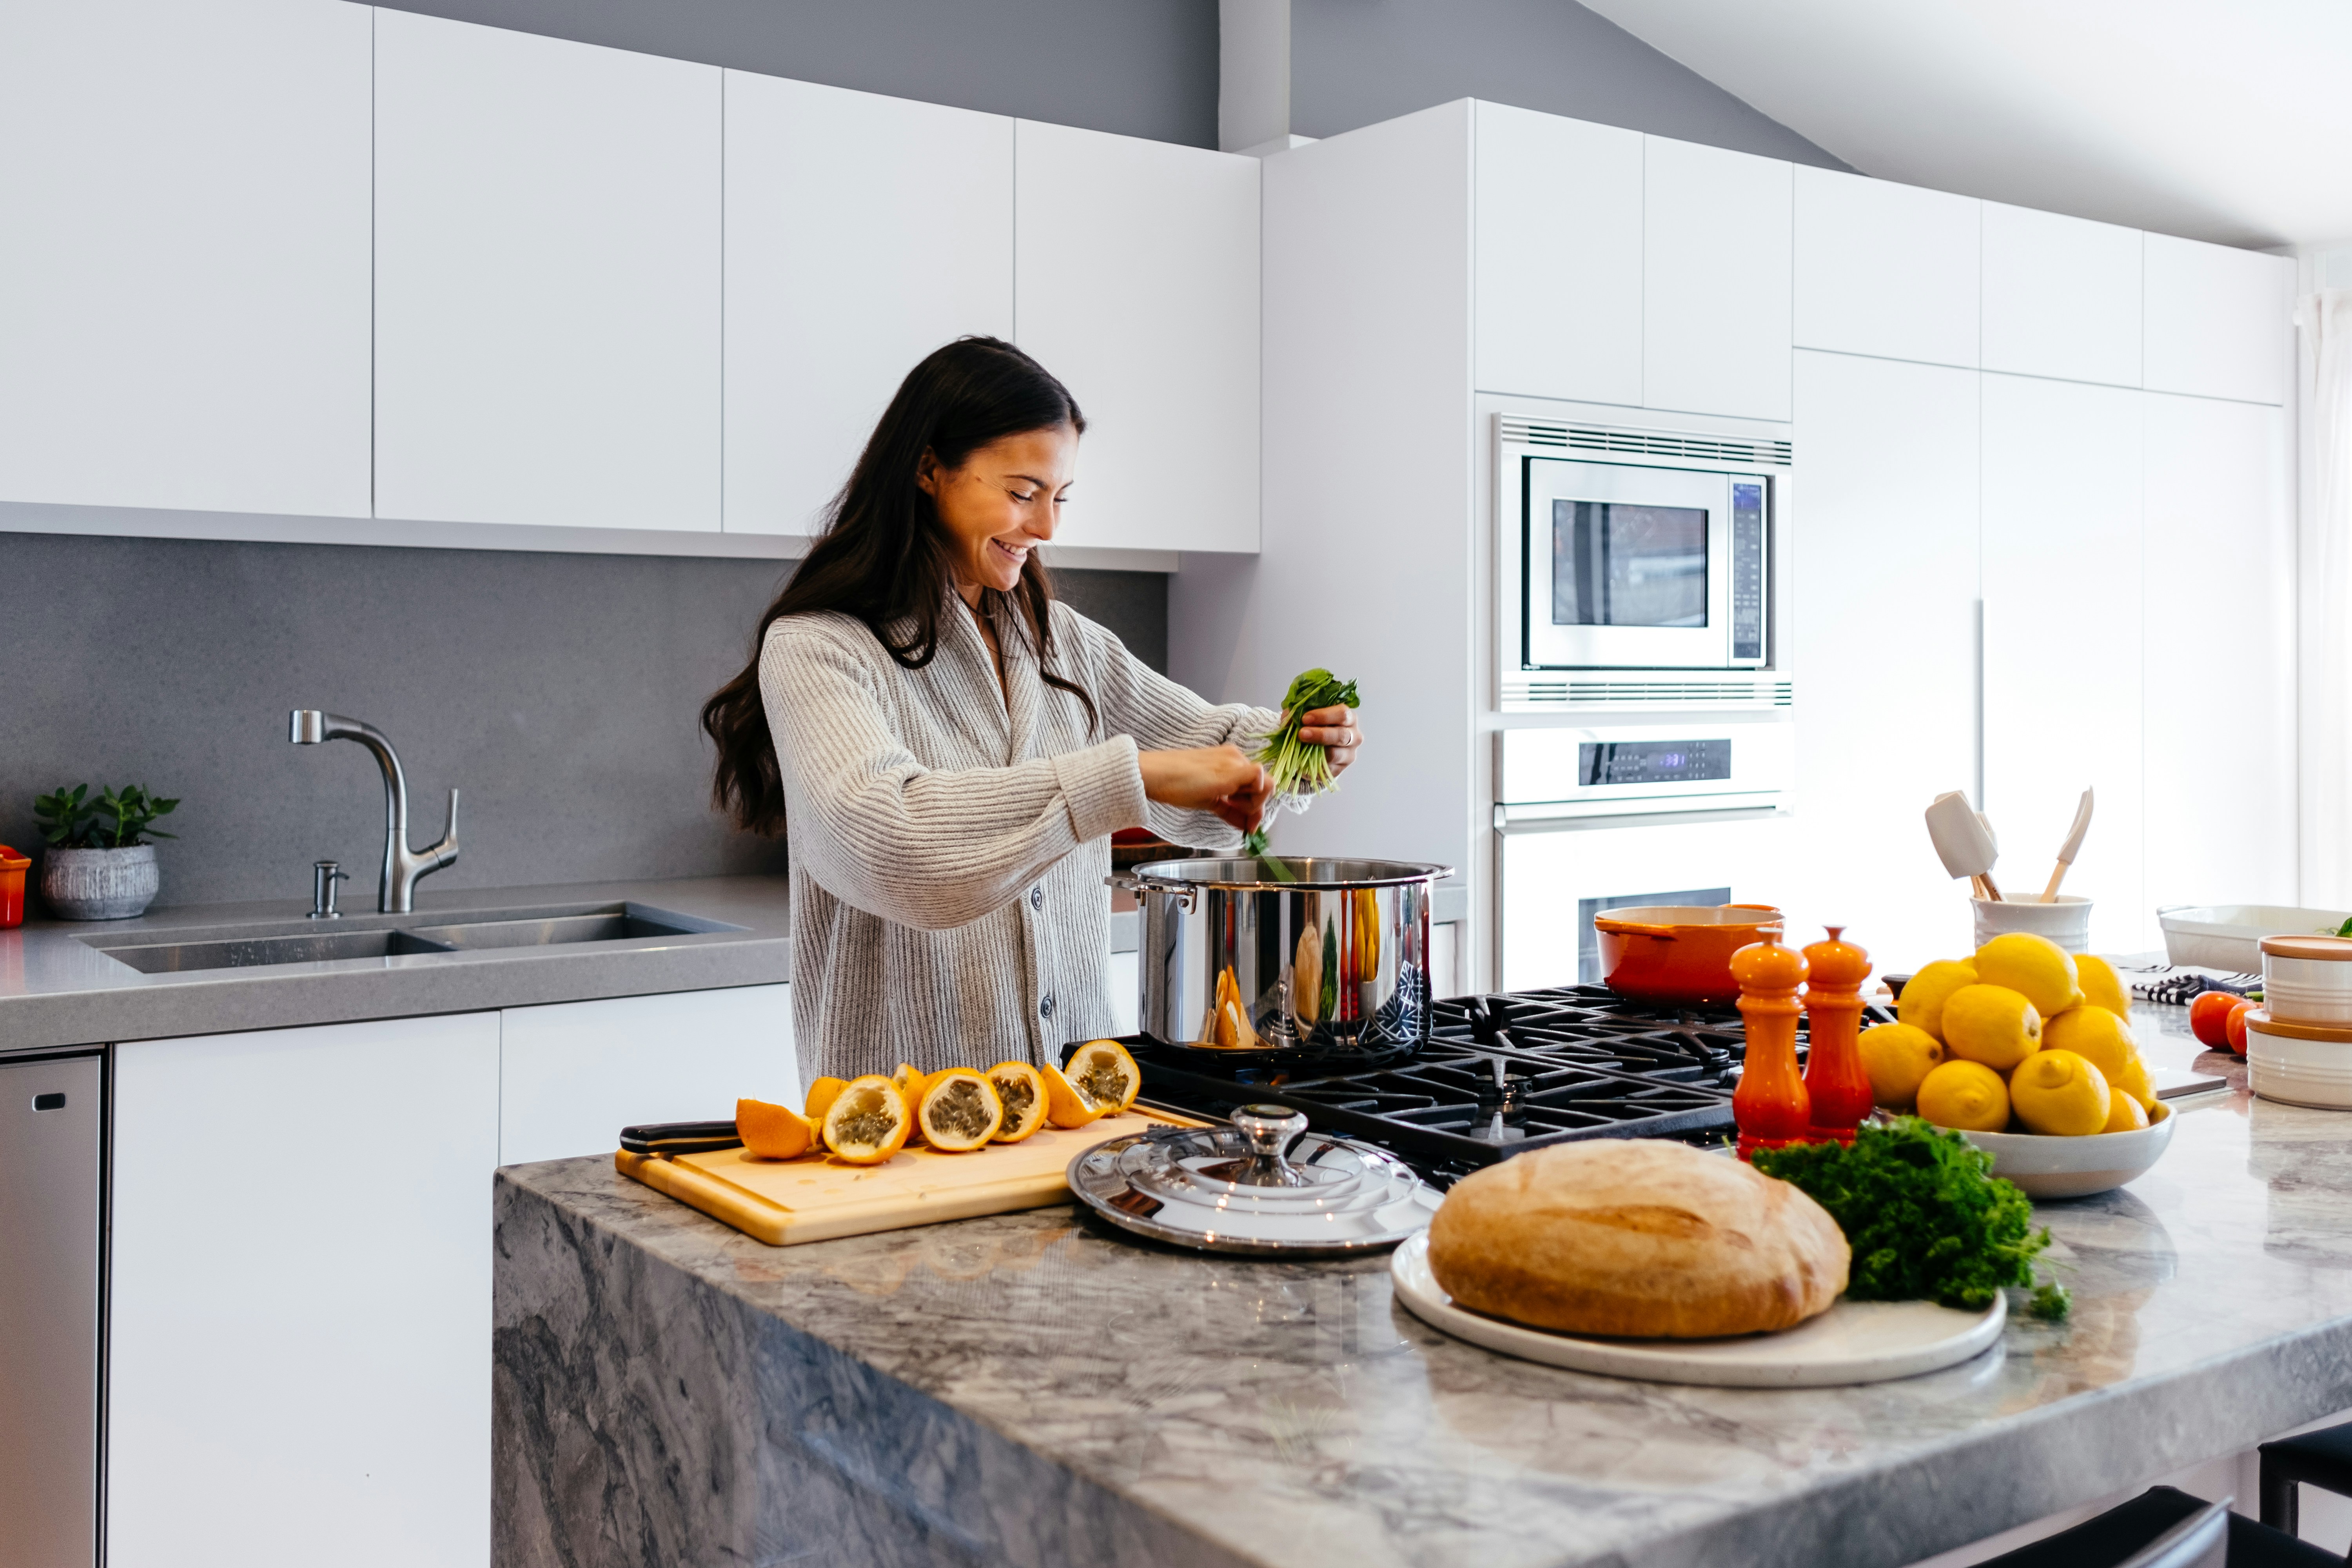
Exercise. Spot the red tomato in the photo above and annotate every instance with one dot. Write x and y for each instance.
(2209, 1017)
(2237, 1025)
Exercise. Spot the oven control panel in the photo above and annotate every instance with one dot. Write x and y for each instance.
(1628, 769)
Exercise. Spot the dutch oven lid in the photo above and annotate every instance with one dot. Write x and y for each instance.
(1264, 1185)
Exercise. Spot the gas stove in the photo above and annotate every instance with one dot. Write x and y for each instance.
(1502, 1073)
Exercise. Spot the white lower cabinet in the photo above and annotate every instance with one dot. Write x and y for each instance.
(573, 1075)
(300, 1301)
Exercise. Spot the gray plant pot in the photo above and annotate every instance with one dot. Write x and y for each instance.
(99, 884)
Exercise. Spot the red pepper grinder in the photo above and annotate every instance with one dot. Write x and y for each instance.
(1835, 1081)
(1770, 1104)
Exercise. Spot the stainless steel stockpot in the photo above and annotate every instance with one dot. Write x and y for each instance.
(1333, 956)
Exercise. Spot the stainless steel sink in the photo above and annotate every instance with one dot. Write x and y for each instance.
(605, 925)
(222, 948)
(254, 952)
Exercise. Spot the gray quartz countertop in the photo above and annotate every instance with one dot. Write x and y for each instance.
(56, 989)
(1033, 1388)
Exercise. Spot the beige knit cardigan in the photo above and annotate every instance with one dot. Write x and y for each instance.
(949, 839)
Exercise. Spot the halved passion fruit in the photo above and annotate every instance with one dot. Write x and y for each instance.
(961, 1111)
(821, 1096)
(911, 1083)
(773, 1131)
(1023, 1094)
(868, 1121)
(1065, 1106)
(1104, 1074)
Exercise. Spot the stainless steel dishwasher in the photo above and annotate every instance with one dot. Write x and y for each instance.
(52, 1126)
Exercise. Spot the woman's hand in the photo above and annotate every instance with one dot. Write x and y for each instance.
(1219, 779)
(1336, 730)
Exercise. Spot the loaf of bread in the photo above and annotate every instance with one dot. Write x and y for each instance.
(1636, 1239)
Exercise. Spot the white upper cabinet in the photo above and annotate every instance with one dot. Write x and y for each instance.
(861, 233)
(1715, 280)
(1136, 282)
(2216, 320)
(184, 255)
(2061, 297)
(1558, 280)
(2221, 639)
(2064, 672)
(1885, 269)
(547, 280)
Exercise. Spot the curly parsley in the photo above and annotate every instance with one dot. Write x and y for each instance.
(1925, 1218)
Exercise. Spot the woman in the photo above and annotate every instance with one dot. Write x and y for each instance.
(948, 748)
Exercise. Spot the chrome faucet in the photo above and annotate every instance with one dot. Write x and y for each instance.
(402, 865)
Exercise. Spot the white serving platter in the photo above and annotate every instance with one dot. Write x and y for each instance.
(1854, 1341)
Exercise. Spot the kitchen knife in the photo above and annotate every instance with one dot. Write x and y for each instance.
(679, 1137)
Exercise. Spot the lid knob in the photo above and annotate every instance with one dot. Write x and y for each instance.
(1269, 1130)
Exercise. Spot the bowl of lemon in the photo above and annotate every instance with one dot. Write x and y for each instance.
(2026, 1050)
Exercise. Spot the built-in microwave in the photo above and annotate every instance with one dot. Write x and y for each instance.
(1662, 558)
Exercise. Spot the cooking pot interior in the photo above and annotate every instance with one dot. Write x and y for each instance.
(1303, 871)
(1692, 915)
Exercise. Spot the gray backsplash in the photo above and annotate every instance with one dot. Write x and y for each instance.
(558, 691)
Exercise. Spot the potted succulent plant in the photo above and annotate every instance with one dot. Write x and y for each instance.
(100, 865)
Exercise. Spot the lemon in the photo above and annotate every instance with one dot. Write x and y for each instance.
(2033, 966)
(2060, 1094)
(2094, 1034)
(1921, 1005)
(2101, 986)
(1965, 1094)
(1898, 1057)
(1992, 1024)
(2124, 1114)
(2134, 1082)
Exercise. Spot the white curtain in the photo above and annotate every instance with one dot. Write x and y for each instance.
(2325, 562)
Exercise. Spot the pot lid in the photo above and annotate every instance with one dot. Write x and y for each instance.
(1264, 1185)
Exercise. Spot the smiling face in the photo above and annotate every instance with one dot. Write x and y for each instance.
(1002, 503)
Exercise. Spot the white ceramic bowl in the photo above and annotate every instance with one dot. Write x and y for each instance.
(2228, 937)
(2076, 1167)
(2310, 982)
(2298, 1071)
(2066, 921)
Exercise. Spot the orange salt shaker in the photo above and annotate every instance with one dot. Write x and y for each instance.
(1770, 1104)
(1835, 1082)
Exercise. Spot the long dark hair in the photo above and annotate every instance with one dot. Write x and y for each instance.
(883, 558)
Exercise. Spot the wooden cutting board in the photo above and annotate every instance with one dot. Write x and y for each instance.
(819, 1198)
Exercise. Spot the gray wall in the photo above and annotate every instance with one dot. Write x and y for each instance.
(1140, 68)
(1357, 62)
(558, 691)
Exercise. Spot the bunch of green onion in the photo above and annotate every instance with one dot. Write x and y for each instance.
(1299, 770)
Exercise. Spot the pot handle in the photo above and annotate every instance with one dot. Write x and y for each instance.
(1128, 882)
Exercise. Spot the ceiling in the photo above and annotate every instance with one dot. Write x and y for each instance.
(2219, 120)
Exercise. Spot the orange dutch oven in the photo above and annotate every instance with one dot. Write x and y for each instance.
(1679, 955)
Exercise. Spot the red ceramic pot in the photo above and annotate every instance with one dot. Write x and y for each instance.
(1679, 955)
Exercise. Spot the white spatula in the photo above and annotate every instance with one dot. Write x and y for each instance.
(2068, 850)
(1963, 841)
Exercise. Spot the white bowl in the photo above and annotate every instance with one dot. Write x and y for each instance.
(2076, 1167)
(2229, 937)
(2298, 1071)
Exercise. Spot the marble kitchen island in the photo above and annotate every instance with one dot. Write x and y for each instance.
(1034, 1389)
